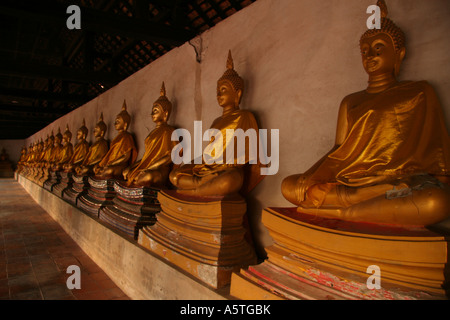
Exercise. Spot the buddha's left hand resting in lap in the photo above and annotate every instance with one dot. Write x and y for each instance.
(391, 159)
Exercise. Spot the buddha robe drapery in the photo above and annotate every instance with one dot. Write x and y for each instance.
(158, 144)
(238, 119)
(96, 152)
(121, 144)
(48, 154)
(54, 156)
(398, 133)
(79, 152)
(65, 153)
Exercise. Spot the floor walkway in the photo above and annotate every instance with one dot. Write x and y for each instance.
(35, 253)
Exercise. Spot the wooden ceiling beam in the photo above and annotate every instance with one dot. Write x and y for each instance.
(30, 70)
(17, 110)
(98, 21)
(44, 95)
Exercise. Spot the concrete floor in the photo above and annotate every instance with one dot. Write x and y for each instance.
(35, 253)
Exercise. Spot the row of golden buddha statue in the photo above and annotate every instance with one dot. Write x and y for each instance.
(119, 160)
(390, 164)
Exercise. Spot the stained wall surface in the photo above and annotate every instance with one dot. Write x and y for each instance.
(299, 59)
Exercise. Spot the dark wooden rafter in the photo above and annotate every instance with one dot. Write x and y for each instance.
(47, 70)
(97, 20)
(6, 109)
(55, 72)
(44, 95)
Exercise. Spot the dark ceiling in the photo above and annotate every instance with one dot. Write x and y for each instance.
(47, 70)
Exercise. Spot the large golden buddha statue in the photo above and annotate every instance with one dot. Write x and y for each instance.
(80, 150)
(227, 178)
(122, 151)
(96, 151)
(65, 152)
(154, 167)
(391, 159)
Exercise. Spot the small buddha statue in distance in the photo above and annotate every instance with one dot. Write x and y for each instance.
(154, 167)
(56, 150)
(22, 160)
(391, 159)
(122, 151)
(33, 152)
(96, 151)
(43, 157)
(48, 151)
(228, 178)
(41, 151)
(80, 151)
(39, 155)
(66, 151)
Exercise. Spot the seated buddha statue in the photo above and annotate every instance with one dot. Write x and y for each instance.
(22, 160)
(39, 154)
(31, 153)
(48, 150)
(57, 146)
(41, 151)
(80, 150)
(391, 159)
(154, 167)
(220, 179)
(42, 157)
(66, 151)
(122, 151)
(96, 151)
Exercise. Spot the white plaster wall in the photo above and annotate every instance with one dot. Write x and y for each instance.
(299, 58)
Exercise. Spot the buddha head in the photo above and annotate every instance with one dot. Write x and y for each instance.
(82, 131)
(230, 86)
(46, 141)
(51, 140)
(100, 127)
(162, 107)
(123, 119)
(67, 136)
(383, 50)
(58, 138)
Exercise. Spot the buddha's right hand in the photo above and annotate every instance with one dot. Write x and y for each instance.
(294, 188)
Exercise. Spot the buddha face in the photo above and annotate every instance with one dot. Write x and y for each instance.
(65, 138)
(120, 124)
(80, 135)
(226, 95)
(98, 132)
(379, 55)
(58, 140)
(158, 114)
